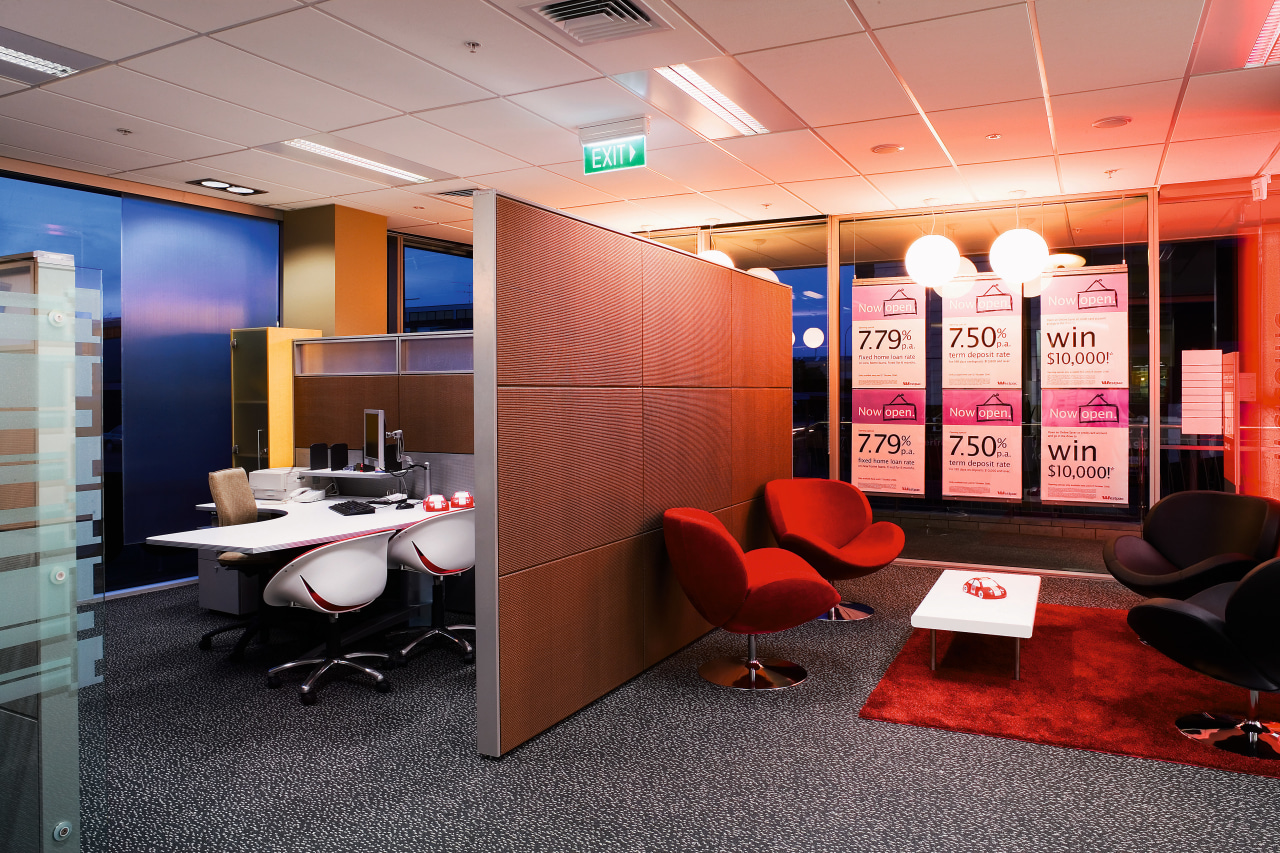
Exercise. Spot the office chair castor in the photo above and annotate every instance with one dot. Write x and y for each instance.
(308, 698)
(274, 682)
(395, 660)
(382, 686)
(206, 643)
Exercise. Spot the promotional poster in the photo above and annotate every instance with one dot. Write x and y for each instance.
(1084, 446)
(887, 336)
(982, 337)
(982, 444)
(888, 441)
(1084, 330)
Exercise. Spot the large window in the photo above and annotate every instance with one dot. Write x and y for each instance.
(438, 292)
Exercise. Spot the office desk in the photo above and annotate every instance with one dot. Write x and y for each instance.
(296, 525)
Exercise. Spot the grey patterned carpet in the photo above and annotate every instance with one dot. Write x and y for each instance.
(187, 752)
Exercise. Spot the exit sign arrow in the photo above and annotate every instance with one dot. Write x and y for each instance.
(613, 155)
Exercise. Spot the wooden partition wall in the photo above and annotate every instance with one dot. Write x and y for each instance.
(434, 410)
(615, 378)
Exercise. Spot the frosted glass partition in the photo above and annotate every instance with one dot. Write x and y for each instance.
(346, 356)
(432, 353)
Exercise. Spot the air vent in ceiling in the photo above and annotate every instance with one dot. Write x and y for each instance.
(460, 193)
(594, 21)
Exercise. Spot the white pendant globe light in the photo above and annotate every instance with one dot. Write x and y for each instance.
(813, 337)
(765, 273)
(962, 283)
(1019, 255)
(717, 257)
(932, 260)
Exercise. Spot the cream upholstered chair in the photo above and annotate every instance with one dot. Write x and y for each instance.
(233, 497)
(340, 577)
(440, 546)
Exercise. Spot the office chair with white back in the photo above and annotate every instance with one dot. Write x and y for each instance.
(340, 577)
(440, 546)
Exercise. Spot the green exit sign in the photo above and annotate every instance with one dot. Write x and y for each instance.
(612, 155)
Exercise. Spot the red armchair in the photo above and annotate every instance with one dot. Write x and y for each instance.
(760, 592)
(828, 523)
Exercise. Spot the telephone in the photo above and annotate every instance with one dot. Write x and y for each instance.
(304, 495)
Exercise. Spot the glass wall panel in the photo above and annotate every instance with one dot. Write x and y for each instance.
(438, 295)
(1104, 234)
(797, 254)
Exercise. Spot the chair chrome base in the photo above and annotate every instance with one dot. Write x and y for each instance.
(847, 611)
(399, 656)
(307, 692)
(752, 673)
(1250, 738)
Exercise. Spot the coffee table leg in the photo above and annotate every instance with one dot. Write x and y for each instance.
(1017, 658)
(933, 649)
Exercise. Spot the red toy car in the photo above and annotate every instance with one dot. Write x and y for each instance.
(984, 588)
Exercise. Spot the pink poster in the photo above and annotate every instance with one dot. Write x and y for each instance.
(1084, 330)
(982, 337)
(888, 441)
(1084, 446)
(887, 335)
(982, 444)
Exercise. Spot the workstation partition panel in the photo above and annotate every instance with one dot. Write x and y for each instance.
(615, 378)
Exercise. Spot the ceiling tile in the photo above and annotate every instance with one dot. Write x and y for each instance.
(834, 81)
(433, 146)
(545, 187)
(1230, 103)
(1036, 176)
(203, 15)
(220, 70)
(48, 159)
(840, 195)
(397, 222)
(855, 141)
(404, 203)
(180, 173)
(1134, 167)
(703, 167)
(75, 147)
(623, 216)
(911, 189)
(602, 100)
(1216, 159)
(108, 30)
(967, 60)
(756, 24)
(7, 86)
(1150, 105)
(42, 106)
(1023, 127)
(889, 13)
(260, 165)
(136, 94)
(689, 209)
(626, 184)
(332, 51)
(505, 126)
(510, 59)
(1099, 44)
(797, 155)
(440, 231)
(769, 201)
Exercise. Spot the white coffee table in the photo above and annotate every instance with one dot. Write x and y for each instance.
(948, 607)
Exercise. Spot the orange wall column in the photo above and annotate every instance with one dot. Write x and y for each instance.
(335, 270)
(1259, 312)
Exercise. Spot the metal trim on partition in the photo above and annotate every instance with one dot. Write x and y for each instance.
(484, 206)
(1154, 436)
(833, 349)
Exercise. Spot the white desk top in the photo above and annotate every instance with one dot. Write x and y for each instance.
(299, 525)
(948, 607)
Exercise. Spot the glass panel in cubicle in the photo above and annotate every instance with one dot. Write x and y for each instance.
(1043, 517)
(346, 356)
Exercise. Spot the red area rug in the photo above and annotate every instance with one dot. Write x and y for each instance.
(1087, 683)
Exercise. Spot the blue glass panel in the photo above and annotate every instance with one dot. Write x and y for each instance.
(189, 276)
(809, 369)
(437, 291)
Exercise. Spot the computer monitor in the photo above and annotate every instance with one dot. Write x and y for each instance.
(375, 430)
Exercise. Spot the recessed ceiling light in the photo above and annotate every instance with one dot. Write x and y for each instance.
(352, 159)
(1112, 121)
(887, 148)
(35, 63)
(993, 136)
(1264, 49)
(234, 189)
(692, 84)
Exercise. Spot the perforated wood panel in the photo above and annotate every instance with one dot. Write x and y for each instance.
(761, 439)
(687, 461)
(437, 412)
(687, 326)
(569, 471)
(568, 301)
(330, 409)
(761, 333)
(569, 632)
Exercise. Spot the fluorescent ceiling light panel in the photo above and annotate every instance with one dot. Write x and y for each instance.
(352, 159)
(35, 63)
(1264, 49)
(693, 85)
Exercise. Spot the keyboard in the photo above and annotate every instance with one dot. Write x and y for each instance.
(351, 508)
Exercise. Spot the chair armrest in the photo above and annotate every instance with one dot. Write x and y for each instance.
(1196, 639)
